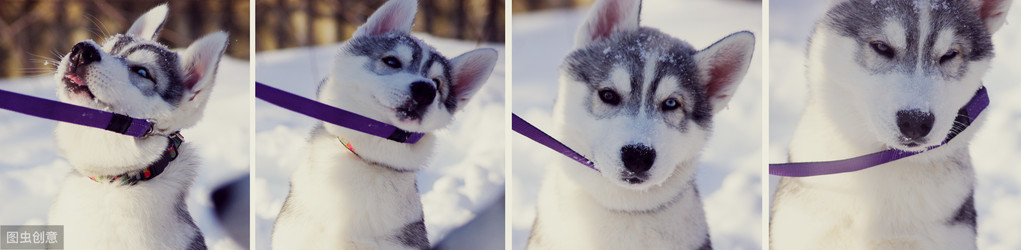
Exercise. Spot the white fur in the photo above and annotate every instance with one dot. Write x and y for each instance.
(905, 204)
(143, 216)
(341, 200)
(579, 208)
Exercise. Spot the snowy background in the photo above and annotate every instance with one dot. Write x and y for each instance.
(729, 176)
(464, 177)
(31, 171)
(994, 149)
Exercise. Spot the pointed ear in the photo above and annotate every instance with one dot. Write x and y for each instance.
(394, 15)
(200, 61)
(606, 18)
(723, 65)
(148, 25)
(992, 12)
(470, 72)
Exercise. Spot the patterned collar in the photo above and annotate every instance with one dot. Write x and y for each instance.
(153, 170)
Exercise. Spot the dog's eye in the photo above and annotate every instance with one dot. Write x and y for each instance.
(882, 48)
(671, 104)
(141, 71)
(392, 62)
(950, 55)
(609, 96)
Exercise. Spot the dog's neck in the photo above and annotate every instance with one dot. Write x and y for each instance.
(402, 157)
(616, 198)
(95, 152)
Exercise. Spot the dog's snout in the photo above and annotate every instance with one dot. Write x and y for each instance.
(83, 54)
(423, 93)
(637, 158)
(914, 123)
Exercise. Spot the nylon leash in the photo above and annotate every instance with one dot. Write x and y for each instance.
(64, 112)
(526, 129)
(965, 116)
(334, 115)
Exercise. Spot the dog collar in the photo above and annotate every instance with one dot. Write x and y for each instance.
(334, 115)
(151, 171)
(526, 129)
(965, 116)
(70, 113)
(347, 144)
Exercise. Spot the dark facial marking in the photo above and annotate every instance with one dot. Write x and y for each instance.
(631, 50)
(863, 21)
(171, 90)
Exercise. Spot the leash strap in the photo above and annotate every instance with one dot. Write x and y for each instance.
(70, 113)
(334, 115)
(526, 129)
(965, 116)
(153, 170)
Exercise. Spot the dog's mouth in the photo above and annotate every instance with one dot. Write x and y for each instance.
(633, 178)
(76, 86)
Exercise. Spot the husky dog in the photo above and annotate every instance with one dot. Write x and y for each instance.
(358, 191)
(106, 203)
(640, 103)
(882, 75)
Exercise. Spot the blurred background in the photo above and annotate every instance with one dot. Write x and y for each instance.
(32, 170)
(293, 23)
(33, 30)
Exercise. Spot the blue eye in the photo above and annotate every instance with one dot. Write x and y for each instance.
(142, 72)
(671, 104)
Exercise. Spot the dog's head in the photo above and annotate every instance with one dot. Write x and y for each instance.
(386, 74)
(134, 75)
(901, 70)
(639, 101)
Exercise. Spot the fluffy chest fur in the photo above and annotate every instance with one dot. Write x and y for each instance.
(569, 217)
(339, 201)
(149, 215)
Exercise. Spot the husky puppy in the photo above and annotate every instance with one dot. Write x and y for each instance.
(358, 191)
(888, 74)
(640, 104)
(106, 203)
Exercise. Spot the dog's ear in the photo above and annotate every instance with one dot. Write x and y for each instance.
(394, 15)
(992, 12)
(470, 72)
(607, 17)
(722, 65)
(148, 25)
(199, 62)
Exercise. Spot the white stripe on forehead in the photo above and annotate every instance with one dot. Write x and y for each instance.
(924, 29)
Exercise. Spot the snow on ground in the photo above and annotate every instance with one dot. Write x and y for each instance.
(465, 175)
(729, 170)
(31, 171)
(994, 149)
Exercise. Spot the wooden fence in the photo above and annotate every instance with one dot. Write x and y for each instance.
(34, 31)
(292, 23)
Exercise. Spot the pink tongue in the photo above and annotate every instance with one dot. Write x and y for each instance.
(75, 79)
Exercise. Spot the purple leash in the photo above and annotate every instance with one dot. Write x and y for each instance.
(524, 128)
(334, 115)
(70, 113)
(965, 116)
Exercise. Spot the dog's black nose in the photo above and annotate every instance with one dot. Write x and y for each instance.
(914, 123)
(423, 93)
(83, 54)
(637, 158)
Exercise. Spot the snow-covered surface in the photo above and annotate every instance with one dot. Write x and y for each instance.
(31, 171)
(995, 148)
(729, 169)
(464, 176)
